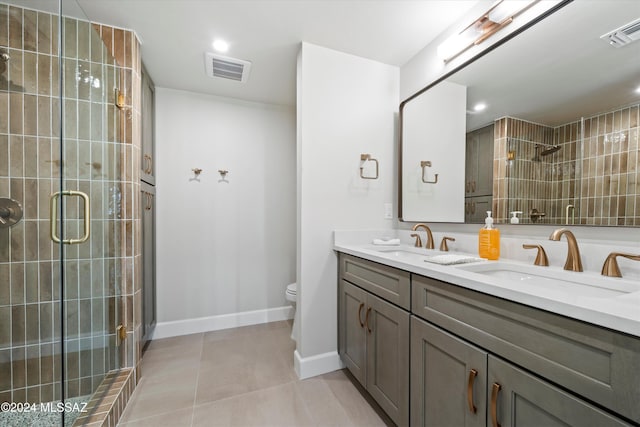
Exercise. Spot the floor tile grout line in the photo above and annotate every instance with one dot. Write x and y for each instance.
(195, 390)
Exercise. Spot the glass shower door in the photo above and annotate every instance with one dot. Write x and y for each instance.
(91, 208)
(60, 172)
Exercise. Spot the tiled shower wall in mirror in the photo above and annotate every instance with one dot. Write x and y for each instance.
(596, 176)
(102, 288)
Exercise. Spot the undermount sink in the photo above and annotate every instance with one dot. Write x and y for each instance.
(406, 254)
(549, 280)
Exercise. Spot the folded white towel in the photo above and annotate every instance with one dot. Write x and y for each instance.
(389, 242)
(450, 259)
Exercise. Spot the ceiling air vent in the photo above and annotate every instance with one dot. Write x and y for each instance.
(623, 35)
(226, 68)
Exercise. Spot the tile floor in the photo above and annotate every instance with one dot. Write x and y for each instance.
(241, 377)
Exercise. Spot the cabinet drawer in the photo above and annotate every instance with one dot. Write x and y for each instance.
(388, 283)
(599, 364)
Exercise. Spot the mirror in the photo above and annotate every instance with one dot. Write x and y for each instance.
(558, 139)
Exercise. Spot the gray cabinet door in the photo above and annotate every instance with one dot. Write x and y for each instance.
(448, 379)
(147, 155)
(147, 206)
(519, 399)
(388, 358)
(353, 333)
(479, 162)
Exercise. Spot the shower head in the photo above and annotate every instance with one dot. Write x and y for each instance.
(552, 149)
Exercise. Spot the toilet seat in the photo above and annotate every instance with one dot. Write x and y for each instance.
(291, 293)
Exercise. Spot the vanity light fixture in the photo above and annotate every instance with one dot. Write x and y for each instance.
(220, 45)
(501, 14)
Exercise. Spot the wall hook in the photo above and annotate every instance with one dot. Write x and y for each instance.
(197, 171)
(427, 164)
(223, 173)
(363, 159)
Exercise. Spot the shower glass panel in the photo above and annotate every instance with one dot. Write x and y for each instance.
(60, 264)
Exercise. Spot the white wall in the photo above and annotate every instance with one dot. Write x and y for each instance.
(223, 247)
(347, 106)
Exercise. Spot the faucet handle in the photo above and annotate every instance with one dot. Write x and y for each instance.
(610, 266)
(418, 243)
(443, 244)
(541, 257)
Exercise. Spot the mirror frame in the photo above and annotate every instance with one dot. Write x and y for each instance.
(448, 74)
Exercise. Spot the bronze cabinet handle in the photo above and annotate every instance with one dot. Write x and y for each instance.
(360, 314)
(495, 389)
(366, 319)
(472, 378)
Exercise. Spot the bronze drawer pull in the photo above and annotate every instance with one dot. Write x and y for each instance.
(472, 377)
(360, 315)
(366, 319)
(495, 389)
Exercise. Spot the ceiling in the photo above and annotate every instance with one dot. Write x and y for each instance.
(559, 70)
(175, 34)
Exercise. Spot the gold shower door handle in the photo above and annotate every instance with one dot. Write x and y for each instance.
(53, 217)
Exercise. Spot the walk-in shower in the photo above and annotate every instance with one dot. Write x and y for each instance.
(67, 265)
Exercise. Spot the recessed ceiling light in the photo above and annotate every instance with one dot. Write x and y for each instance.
(638, 89)
(480, 106)
(220, 45)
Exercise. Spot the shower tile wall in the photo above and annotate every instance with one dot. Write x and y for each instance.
(602, 186)
(610, 194)
(99, 160)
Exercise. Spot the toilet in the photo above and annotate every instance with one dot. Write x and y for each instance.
(291, 295)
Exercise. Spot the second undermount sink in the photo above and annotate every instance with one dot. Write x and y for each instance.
(550, 280)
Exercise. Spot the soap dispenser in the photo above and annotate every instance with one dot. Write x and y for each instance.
(489, 240)
(514, 217)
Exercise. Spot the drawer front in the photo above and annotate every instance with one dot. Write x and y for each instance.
(388, 283)
(601, 365)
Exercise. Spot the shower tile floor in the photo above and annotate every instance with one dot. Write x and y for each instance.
(241, 377)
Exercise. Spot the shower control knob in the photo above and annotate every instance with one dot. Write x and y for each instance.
(10, 212)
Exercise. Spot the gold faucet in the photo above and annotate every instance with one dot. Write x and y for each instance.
(610, 267)
(429, 244)
(443, 245)
(574, 262)
(418, 243)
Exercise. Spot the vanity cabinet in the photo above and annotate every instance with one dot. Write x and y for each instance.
(374, 331)
(547, 354)
(455, 383)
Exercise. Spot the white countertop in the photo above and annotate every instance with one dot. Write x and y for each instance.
(620, 312)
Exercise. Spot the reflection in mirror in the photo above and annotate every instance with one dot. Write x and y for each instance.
(562, 112)
(433, 154)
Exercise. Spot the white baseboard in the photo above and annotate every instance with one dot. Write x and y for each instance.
(224, 321)
(307, 367)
